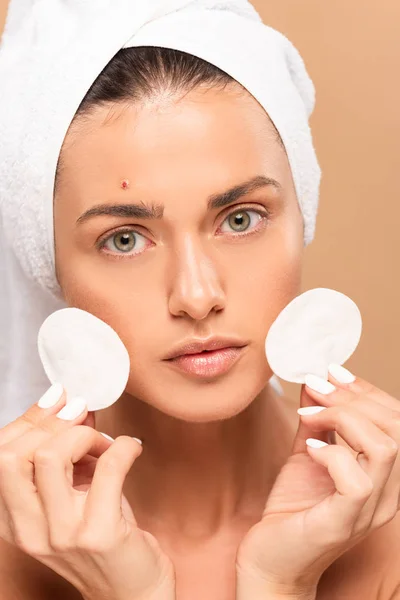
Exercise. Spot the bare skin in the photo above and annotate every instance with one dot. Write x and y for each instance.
(366, 571)
(212, 448)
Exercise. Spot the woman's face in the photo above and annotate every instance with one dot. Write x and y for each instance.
(198, 271)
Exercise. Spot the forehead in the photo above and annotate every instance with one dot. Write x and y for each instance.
(209, 131)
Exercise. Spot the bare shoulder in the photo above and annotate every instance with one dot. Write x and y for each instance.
(370, 570)
(24, 578)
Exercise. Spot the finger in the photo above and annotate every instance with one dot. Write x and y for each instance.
(71, 414)
(337, 514)
(17, 470)
(326, 393)
(341, 377)
(381, 416)
(54, 469)
(90, 420)
(384, 417)
(21, 515)
(21, 504)
(377, 451)
(35, 414)
(103, 502)
(386, 499)
(305, 429)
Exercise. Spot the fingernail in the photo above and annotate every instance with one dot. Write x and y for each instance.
(107, 436)
(72, 409)
(318, 384)
(137, 439)
(340, 373)
(51, 396)
(310, 410)
(313, 443)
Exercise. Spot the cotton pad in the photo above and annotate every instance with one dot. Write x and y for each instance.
(85, 355)
(318, 327)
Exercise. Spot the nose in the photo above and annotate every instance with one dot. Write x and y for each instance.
(195, 286)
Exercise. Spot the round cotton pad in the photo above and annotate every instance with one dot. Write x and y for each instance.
(318, 327)
(85, 355)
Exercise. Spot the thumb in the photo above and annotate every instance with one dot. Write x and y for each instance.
(304, 431)
(127, 511)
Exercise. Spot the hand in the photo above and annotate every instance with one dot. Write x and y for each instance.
(61, 502)
(326, 500)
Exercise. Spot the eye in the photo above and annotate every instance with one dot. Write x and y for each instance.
(240, 221)
(130, 242)
(123, 242)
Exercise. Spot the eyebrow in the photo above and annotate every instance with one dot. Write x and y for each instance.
(156, 211)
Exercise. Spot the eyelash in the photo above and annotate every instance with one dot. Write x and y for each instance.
(264, 214)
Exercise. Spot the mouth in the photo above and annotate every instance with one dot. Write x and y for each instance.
(208, 363)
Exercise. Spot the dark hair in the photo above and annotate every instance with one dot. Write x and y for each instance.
(139, 73)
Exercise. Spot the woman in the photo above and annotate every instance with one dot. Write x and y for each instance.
(172, 183)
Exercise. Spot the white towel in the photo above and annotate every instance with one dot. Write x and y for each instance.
(51, 52)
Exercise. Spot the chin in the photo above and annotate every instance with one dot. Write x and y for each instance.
(203, 400)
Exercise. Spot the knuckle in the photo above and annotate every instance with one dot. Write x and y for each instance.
(395, 415)
(82, 433)
(47, 426)
(363, 526)
(363, 491)
(369, 388)
(61, 543)
(46, 453)
(83, 430)
(344, 416)
(29, 418)
(387, 452)
(87, 432)
(34, 549)
(108, 464)
(45, 456)
(342, 452)
(9, 460)
(394, 510)
(335, 536)
(88, 541)
(389, 517)
(31, 545)
(385, 517)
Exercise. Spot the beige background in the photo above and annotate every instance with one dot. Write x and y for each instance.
(352, 53)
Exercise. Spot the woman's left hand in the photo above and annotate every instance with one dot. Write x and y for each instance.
(325, 500)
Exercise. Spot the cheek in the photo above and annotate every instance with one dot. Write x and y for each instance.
(267, 281)
(271, 277)
(269, 289)
(260, 279)
(91, 290)
(133, 310)
(93, 293)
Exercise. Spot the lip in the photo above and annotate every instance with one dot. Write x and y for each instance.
(208, 364)
(197, 345)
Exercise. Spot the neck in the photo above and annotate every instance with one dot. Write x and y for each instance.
(196, 479)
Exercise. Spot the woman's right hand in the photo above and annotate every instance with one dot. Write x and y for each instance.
(86, 533)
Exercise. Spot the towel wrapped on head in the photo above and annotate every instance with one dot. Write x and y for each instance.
(51, 53)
